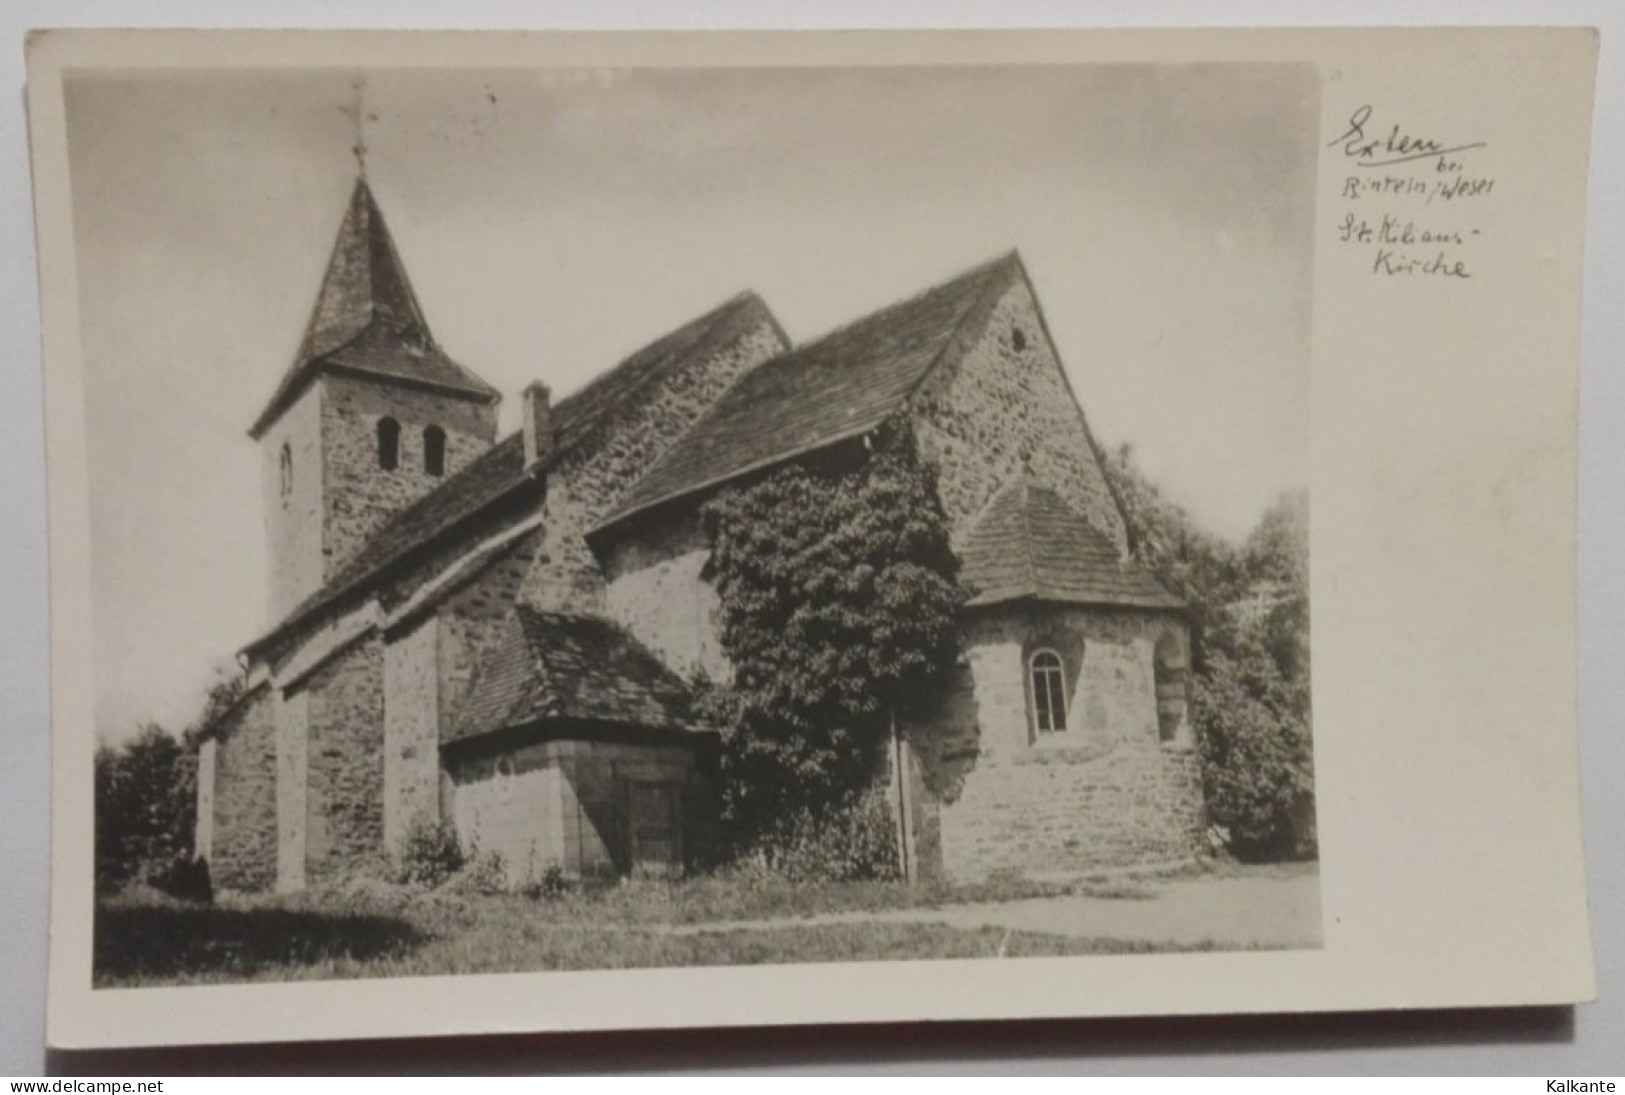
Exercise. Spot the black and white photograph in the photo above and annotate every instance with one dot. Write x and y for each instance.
(620, 532)
(622, 518)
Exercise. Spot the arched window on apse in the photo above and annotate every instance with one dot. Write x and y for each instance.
(1047, 678)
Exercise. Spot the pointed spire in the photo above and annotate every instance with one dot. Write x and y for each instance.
(365, 284)
(368, 319)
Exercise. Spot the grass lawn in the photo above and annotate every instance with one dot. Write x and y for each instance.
(708, 899)
(152, 945)
(371, 930)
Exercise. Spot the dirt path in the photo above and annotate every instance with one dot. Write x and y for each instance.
(1230, 913)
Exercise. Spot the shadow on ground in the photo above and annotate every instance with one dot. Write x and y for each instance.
(138, 942)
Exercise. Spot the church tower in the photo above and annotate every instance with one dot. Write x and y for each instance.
(371, 415)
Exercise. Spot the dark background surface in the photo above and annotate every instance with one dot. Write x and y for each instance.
(1197, 1045)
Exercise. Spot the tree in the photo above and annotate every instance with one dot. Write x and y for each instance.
(146, 792)
(1276, 557)
(229, 687)
(146, 801)
(1257, 764)
(1201, 568)
(839, 606)
(1278, 549)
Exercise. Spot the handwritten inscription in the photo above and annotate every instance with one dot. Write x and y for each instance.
(1411, 199)
(1448, 189)
(1395, 147)
(1391, 231)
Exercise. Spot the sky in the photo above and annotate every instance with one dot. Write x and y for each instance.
(552, 222)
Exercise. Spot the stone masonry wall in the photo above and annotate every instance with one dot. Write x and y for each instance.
(564, 803)
(411, 729)
(344, 807)
(599, 470)
(291, 713)
(596, 840)
(359, 495)
(998, 796)
(1057, 813)
(428, 667)
(563, 574)
(511, 803)
(655, 591)
(1005, 411)
(293, 524)
(471, 623)
(242, 853)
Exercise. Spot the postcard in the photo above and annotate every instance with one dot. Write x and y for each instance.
(589, 531)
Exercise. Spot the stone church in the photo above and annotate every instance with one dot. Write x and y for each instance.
(498, 631)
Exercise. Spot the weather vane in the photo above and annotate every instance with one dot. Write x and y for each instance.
(357, 115)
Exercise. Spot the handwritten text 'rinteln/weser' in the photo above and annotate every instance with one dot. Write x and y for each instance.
(1389, 165)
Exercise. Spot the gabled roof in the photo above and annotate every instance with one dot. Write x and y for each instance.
(581, 413)
(1029, 544)
(840, 386)
(500, 470)
(556, 667)
(367, 320)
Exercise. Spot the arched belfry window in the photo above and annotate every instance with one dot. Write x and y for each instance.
(1048, 679)
(389, 444)
(285, 467)
(434, 450)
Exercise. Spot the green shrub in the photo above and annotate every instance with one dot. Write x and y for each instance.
(1257, 766)
(838, 608)
(855, 842)
(483, 874)
(363, 891)
(183, 876)
(429, 854)
(551, 885)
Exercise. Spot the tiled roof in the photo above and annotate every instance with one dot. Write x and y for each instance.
(840, 386)
(551, 666)
(580, 414)
(501, 468)
(367, 319)
(1028, 543)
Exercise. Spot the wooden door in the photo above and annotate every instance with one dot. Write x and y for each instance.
(655, 829)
